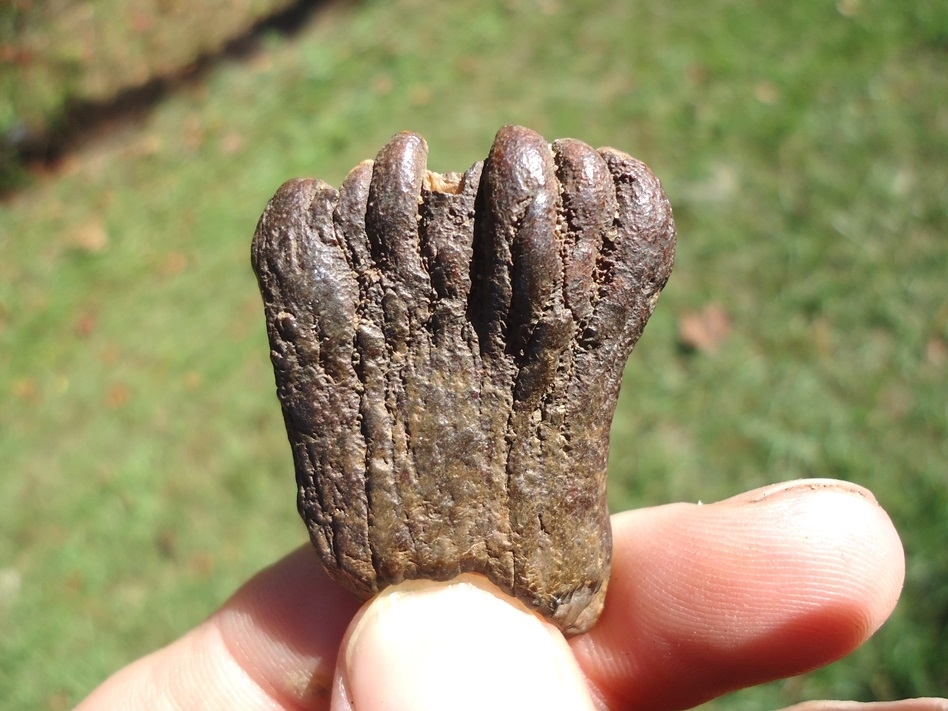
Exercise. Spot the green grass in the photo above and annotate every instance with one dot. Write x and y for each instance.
(56, 55)
(804, 147)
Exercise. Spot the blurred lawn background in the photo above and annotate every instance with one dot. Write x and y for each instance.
(804, 147)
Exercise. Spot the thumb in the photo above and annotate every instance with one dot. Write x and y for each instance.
(459, 645)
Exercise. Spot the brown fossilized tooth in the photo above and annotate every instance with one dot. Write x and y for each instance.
(448, 352)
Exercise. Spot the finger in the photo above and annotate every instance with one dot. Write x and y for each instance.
(707, 599)
(919, 704)
(460, 645)
(272, 646)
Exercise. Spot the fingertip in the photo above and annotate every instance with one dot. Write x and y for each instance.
(846, 535)
(460, 645)
(762, 586)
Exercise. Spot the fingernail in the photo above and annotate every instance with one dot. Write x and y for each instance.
(800, 485)
(458, 645)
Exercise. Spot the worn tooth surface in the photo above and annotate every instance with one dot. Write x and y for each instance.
(448, 352)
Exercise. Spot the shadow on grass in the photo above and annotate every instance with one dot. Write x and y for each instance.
(81, 121)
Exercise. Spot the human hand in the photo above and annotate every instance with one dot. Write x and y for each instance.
(702, 600)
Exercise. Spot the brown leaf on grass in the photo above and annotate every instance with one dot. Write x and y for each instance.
(936, 351)
(141, 23)
(704, 330)
(766, 93)
(117, 396)
(201, 564)
(192, 380)
(231, 143)
(25, 389)
(12, 54)
(85, 324)
(58, 701)
(90, 237)
(173, 264)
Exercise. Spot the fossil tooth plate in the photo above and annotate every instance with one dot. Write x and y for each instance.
(448, 351)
